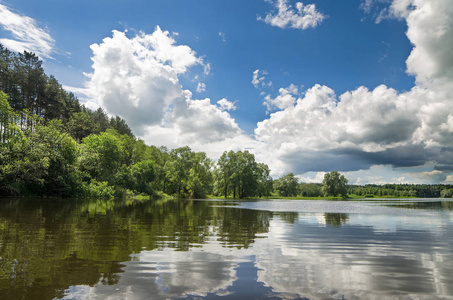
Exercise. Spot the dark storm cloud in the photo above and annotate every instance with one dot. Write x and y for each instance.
(354, 159)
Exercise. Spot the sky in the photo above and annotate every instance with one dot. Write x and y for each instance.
(363, 87)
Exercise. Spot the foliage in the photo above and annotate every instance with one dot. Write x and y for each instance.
(240, 176)
(98, 189)
(33, 93)
(334, 184)
(286, 186)
(51, 145)
(446, 193)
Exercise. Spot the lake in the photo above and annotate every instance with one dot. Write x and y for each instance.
(217, 249)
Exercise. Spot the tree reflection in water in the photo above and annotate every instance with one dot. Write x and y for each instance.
(336, 219)
(48, 245)
(193, 249)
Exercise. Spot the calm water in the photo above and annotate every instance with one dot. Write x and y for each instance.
(78, 249)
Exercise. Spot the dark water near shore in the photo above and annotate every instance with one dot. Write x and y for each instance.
(215, 249)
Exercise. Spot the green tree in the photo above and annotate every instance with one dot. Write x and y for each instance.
(188, 173)
(446, 193)
(81, 125)
(334, 184)
(286, 186)
(310, 189)
(61, 177)
(8, 121)
(223, 173)
(101, 156)
(265, 182)
(239, 175)
(143, 175)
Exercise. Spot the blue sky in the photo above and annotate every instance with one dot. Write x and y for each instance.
(363, 87)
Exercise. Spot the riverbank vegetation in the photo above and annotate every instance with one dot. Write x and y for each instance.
(52, 145)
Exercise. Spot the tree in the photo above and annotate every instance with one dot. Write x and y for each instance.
(41, 162)
(310, 189)
(143, 175)
(239, 175)
(334, 184)
(265, 183)
(102, 155)
(60, 151)
(286, 186)
(446, 193)
(8, 121)
(188, 173)
(223, 173)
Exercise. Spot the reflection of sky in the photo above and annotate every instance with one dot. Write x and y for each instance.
(389, 254)
(356, 261)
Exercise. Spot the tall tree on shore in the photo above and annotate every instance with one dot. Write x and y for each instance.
(287, 185)
(239, 175)
(334, 184)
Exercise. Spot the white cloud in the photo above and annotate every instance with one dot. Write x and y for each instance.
(284, 100)
(222, 36)
(259, 79)
(428, 177)
(315, 131)
(27, 34)
(131, 79)
(430, 29)
(138, 79)
(224, 104)
(366, 5)
(312, 177)
(449, 180)
(321, 131)
(300, 17)
(200, 120)
(201, 87)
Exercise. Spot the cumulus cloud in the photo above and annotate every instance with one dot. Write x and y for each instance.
(224, 104)
(284, 100)
(358, 129)
(200, 120)
(430, 25)
(300, 17)
(138, 78)
(259, 79)
(201, 87)
(27, 34)
(131, 79)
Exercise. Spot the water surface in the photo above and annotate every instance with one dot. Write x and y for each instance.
(215, 249)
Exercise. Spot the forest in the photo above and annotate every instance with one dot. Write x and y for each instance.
(52, 145)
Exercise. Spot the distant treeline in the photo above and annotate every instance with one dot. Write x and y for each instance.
(288, 186)
(52, 145)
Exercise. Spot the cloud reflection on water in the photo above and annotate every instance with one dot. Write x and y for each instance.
(374, 256)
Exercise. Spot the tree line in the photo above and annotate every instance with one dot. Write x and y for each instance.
(336, 185)
(38, 99)
(47, 160)
(52, 145)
